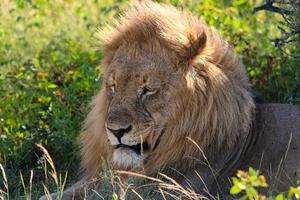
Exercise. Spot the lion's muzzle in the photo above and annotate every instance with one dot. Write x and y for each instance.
(120, 131)
(138, 149)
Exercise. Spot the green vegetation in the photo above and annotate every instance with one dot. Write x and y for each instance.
(48, 72)
(247, 184)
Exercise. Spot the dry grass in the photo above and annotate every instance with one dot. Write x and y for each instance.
(138, 186)
(4, 194)
(113, 186)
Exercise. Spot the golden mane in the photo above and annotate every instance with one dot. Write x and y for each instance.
(214, 111)
(209, 118)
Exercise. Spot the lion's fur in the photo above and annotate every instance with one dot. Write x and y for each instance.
(212, 114)
(216, 107)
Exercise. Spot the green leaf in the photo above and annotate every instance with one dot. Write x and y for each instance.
(279, 197)
(251, 193)
(114, 196)
(19, 75)
(51, 86)
(235, 180)
(241, 185)
(251, 171)
(235, 190)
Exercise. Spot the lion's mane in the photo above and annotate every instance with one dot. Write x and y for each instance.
(215, 111)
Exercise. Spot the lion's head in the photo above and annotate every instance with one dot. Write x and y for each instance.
(167, 77)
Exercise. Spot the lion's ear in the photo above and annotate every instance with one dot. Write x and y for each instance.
(195, 46)
(192, 47)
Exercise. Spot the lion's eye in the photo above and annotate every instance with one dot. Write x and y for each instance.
(146, 91)
(111, 88)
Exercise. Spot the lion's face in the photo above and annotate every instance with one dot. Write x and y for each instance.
(172, 87)
(140, 90)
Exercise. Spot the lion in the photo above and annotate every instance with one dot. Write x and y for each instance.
(176, 99)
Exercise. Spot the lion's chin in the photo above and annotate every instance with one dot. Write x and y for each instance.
(127, 158)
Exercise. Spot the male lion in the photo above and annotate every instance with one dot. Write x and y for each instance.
(177, 100)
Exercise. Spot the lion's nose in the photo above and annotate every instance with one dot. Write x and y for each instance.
(120, 132)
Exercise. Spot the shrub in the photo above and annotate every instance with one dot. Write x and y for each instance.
(247, 183)
(48, 74)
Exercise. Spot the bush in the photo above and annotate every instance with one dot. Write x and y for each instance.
(246, 184)
(48, 75)
(273, 73)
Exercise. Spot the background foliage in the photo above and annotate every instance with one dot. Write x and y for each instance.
(48, 70)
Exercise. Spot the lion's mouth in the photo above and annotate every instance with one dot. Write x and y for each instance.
(138, 148)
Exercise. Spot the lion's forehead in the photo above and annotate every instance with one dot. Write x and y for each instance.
(133, 74)
(137, 67)
(143, 61)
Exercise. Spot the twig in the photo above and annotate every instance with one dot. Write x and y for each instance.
(270, 7)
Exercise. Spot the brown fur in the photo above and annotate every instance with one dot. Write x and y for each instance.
(215, 105)
(212, 103)
(203, 92)
(182, 91)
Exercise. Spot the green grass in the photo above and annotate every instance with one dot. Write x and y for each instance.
(49, 73)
